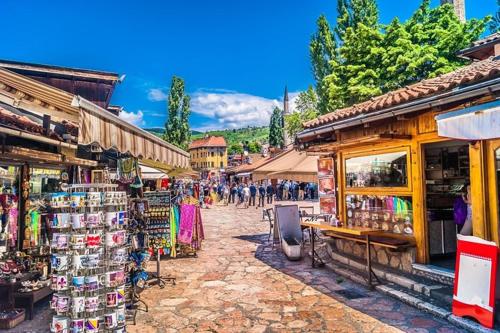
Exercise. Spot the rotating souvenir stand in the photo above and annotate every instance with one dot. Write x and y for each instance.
(89, 259)
(157, 217)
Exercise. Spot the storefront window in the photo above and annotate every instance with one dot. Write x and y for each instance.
(388, 213)
(382, 170)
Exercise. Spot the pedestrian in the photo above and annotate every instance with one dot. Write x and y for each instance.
(245, 192)
(225, 194)
(302, 187)
(286, 190)
(262, 194)
(269, 193)
(253, 194)
(295, 191)
(234, 190)
(240, 193)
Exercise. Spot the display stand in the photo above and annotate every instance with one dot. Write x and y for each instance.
(89, 260)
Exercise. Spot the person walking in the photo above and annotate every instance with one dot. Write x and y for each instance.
(269, 193)
(234, 190)
(302, 188)
(245, 192)
(262, 194)
(253, 194)
(225, 194)
(286, 190)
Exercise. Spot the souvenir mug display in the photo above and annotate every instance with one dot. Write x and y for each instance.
(89, 259)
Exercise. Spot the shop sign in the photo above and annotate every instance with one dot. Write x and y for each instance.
(326, 186)
(475, 279)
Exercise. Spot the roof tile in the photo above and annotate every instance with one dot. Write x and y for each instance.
(476, 71)
(210, 141)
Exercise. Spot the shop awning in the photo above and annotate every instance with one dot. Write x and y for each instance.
(304, 171)
(98, 126)
(292, 164)
(479, 122)
(151, 173)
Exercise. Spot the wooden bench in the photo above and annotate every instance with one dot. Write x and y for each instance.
(391, 243)
(29, 299)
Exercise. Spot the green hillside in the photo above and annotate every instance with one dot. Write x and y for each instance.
(255, 136)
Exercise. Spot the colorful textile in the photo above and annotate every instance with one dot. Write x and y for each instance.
(173, 233)
(13, 214)
(187, 224)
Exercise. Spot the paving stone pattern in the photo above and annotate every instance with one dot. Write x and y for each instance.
(239, 283)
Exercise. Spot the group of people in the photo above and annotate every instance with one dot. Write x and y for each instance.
(256, 194)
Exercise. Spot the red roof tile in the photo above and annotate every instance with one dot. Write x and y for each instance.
(211, 141)
(481, 70)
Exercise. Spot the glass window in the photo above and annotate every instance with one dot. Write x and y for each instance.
(382, 170)
(387, 213)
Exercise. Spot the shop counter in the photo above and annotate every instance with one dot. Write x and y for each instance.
(28, 299)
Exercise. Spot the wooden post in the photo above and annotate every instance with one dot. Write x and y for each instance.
(479, 190)
(418, 203)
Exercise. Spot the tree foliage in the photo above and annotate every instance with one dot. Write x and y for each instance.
(368, 59)
(494, 24)
(276, 129)
(177, 129)
(306, 106)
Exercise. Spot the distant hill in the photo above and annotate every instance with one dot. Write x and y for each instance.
(237, 136)
(233, 136)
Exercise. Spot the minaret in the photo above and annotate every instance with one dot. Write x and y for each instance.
(459, 6)
(286, 138)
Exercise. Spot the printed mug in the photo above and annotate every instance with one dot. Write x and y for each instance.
(77, 326)
(92, 304)
(59, 262)
(60, 241)
(93, 240)
(53, 301)
(78, 283)
(60, 324)
(93, 282)
(62, 304)
(78, 221)
(59, 282)
(94, 219)
(77, 241)
(110, 320)
(111, 219)
(92, 325)
(120, 315)
(111, 299)
(78, 304)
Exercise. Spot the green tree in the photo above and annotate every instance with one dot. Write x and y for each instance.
(371, 61)
(494, 24)
(306, 109)
(276, 129)
(235, 149)
(254, 147)
(322, 50)
(177, 129)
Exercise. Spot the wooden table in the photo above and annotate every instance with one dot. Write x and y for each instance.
(353, 231)
(29, 299)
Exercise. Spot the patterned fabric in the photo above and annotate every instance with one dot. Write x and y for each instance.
(187, 224)
(173, 233)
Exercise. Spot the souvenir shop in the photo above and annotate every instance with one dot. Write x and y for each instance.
(394, 171)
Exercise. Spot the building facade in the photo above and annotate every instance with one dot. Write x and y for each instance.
(209, 154)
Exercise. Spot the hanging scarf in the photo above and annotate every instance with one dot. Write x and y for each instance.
(187, 224)
(35, 227)
(13, 214)
(173, 233)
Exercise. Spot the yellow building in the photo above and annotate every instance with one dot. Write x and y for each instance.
(209, 153)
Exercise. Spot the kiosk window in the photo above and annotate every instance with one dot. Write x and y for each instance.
(382, 170)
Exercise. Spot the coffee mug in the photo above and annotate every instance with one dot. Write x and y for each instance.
(111, 299)
(61, 220)
(121, 217)
(78, 283)
(120, 315)
(77, 241)
(111, 219)
(61, 282)
(119, 237)
(79, 261)
(77, 326)
(93, 282)
(93, 261)
(62, 304)
(94, 219)
(59, 262)
(60, 324)
(78, 221)
(110, 320)
(78, 304)
(60, 241)
(53, 301)
(93, 240)
(120, 293)
(92, 325)
(92, 303)
(120, 255)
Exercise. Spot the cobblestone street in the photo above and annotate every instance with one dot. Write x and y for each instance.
(238, 283)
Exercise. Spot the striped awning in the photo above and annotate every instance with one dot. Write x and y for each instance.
(98, 126)
(291, 165)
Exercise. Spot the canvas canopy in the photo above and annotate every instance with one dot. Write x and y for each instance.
(480, 122)
(292, 165)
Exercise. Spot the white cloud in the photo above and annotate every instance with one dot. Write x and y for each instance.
(136, 119)
(234, 110)
(157, 95)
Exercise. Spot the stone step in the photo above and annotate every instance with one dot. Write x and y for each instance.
(410, 297)
(420, 292)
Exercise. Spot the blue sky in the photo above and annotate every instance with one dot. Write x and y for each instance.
(236, 56)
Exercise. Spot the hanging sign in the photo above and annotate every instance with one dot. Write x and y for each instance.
(475, 279)
(326, 186)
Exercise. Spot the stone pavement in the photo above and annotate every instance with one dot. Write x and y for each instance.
(239, 283)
